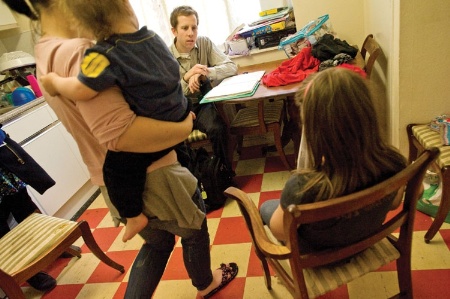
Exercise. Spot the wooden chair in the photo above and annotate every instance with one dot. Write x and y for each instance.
(372, 50)
(37, 242)
(317, 273)
(266, 116)
(421, 137)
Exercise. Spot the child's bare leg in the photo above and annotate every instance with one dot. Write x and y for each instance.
(134, 225)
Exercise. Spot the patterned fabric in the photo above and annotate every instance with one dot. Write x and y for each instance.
(335, 61)
(248, 117)
(196, 135)
(323, 279)
(429, 138)
(9, 183)
(28, 240)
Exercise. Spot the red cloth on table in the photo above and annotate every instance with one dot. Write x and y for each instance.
(354, 68)
(293, 70)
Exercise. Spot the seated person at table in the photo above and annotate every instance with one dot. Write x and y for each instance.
(346, 153)
(154, 91)
(198, 58)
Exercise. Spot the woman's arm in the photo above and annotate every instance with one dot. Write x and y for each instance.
(115, 125)
(150, 135)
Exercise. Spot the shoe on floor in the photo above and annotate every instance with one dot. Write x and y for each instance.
(42, 282)
(228, 274)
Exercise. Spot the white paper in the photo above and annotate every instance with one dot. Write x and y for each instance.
(235, 85)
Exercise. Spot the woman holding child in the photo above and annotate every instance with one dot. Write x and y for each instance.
(106, 122)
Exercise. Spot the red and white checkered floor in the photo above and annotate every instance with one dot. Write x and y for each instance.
(263, 178)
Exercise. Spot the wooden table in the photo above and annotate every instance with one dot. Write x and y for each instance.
(291, 130)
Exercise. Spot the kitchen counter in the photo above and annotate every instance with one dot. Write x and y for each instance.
(20, 110)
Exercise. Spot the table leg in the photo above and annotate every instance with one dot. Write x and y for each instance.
(291, 130)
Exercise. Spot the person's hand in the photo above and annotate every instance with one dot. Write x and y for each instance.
(192, 114)
(189, 121)
(194, 83)
(198, 69)
(47, 83)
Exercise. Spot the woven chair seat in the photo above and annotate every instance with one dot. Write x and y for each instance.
(248, 117)
(321, 280)
(36, 234)
(429, 138)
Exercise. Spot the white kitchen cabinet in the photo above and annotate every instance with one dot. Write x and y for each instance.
(7, 20)
(27, 124)
(51, 150)
(42, 135)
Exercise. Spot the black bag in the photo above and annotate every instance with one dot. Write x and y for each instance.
(213, 177)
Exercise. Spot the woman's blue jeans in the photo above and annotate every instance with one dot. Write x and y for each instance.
(267, 209)
(151, 260)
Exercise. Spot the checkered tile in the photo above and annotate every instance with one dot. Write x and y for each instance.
(263, 178)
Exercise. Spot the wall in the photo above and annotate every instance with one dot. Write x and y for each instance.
(424, 62)
(20, 38)
(346, 16)
(412, 35)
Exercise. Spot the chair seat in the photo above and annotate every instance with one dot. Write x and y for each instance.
(248, 117)
(36, 234)
(323, 279)
(429, 138)
(196, 135)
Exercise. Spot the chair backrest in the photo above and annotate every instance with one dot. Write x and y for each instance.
(372, 48)
(410, 178)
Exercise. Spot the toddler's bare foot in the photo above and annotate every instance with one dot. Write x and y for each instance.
(134, 225)
(221, 277)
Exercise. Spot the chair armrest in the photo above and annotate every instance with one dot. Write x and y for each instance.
(256, 226)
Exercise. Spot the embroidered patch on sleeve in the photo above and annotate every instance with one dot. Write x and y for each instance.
(94, 64)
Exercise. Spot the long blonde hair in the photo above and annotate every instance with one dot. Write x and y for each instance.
(345, 146)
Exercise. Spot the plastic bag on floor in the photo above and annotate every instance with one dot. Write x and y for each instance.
(431, 197)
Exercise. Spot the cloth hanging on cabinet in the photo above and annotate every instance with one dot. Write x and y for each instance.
(16, 160)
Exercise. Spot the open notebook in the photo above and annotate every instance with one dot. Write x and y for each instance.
(238, 86)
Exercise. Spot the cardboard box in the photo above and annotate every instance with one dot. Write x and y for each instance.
(238, 46)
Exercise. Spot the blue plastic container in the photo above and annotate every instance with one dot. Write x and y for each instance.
(22, 95)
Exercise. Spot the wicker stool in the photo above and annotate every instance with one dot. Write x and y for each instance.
(35, 243)
(420, 136)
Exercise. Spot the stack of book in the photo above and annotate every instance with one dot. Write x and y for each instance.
(269, 23)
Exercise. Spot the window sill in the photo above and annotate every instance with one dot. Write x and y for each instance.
(258, 56)
(256, 51)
